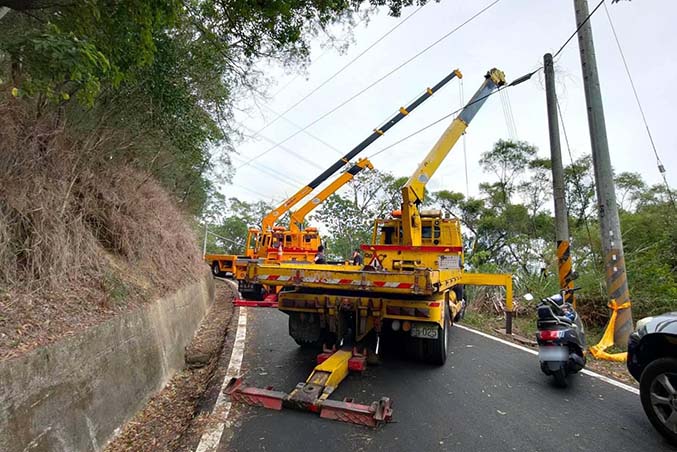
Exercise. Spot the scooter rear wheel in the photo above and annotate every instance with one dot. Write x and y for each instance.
(560, 376)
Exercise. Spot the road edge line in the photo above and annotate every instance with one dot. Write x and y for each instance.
(210, 439)
(590, 373)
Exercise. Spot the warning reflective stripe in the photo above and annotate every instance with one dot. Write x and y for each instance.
(393, 285)
(274, 278)
(346, 281)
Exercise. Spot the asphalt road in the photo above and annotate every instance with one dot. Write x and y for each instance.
(488, 397)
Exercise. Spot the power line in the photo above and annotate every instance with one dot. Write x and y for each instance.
(274, 174)
(331, 77)
(294, 153)
(515, 82)
(512, 117)
(437, 121)
(661, 168)
(577, 29)
(314, 137)
(377, 81)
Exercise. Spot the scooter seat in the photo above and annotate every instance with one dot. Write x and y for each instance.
(546, 314)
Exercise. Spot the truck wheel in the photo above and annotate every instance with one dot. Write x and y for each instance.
(259, 292)
(437, 348)
(305, 329)
(216, 271)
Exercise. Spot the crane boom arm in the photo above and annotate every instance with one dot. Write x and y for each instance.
(299, 216)
(269, 220)
(413, 190)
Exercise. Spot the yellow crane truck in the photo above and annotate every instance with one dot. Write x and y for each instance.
(413, 277)
(263, 245)
(409, 286)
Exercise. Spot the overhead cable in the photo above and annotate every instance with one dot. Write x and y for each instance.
(661, 168)
(380, 79)
(285, 149)
(331, 77)
(515, 82)
(314, 137)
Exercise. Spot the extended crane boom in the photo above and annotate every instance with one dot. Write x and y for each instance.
(298, 217)
(413, 190)
(269, 220)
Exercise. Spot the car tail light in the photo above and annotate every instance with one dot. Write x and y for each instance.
(550, 335)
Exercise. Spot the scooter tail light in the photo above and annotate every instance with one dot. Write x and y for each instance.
(550, 335)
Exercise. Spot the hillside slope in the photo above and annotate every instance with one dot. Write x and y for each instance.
(83, 236)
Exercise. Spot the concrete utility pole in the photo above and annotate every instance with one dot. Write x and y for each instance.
(612, 242)
(561, 224)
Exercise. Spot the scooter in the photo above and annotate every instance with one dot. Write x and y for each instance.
(560, 338)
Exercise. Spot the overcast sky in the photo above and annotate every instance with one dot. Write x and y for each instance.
(513, 35)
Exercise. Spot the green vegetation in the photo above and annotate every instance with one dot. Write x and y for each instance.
(113, 115)
(510, 228)
(159, 75)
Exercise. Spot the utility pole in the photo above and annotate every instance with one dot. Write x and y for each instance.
(612, 242)
(561, 223)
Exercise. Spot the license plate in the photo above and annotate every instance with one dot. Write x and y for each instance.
(424, 330)
(553, 353)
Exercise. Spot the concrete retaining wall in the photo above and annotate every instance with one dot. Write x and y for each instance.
(72, 395)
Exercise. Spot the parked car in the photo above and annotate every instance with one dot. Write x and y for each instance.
(652, 360)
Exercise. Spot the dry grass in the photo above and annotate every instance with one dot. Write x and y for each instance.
(82, 236)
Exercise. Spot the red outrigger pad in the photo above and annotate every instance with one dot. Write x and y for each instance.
(269, 302)
(374, 415)
(313, 396)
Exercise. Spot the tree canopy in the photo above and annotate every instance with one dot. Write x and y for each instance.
(158, 77)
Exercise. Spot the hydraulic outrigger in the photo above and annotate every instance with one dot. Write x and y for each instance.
(313, 394)
(409, 286)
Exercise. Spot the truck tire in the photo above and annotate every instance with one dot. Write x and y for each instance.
(436, 349)
(305, 329)
(216, 270)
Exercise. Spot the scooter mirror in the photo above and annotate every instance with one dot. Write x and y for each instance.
(528, 296)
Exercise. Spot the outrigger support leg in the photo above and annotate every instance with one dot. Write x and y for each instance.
(313, 395)
(270, 301)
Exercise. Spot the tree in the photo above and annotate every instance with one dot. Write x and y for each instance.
(229, 221)
(157, 77)
(580, 189)
(629, 187)
(507, 160)
(348, 216)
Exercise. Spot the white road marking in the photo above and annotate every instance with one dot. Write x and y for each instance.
(606, 379)
(210, 439)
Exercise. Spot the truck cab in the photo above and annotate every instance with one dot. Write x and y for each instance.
(440, 238)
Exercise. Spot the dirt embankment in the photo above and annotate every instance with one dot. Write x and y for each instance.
(83, 236)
